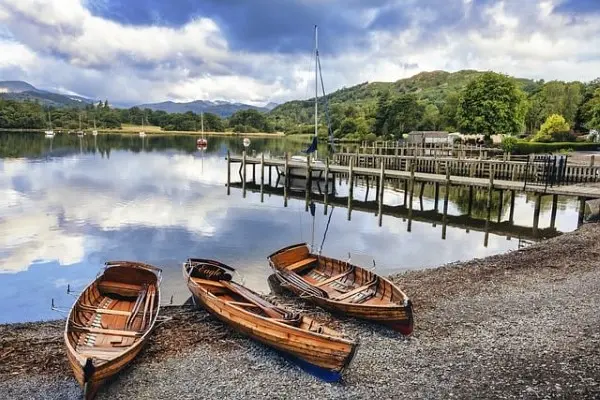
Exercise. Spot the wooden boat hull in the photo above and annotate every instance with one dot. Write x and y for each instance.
(388, 305)
(323, 355)
(98, 339)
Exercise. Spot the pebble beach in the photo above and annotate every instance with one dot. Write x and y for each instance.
(524, 324)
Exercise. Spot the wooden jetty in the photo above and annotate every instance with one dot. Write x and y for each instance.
(411, 177)
(512, 170)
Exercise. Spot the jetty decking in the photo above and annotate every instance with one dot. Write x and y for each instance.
(587, 191)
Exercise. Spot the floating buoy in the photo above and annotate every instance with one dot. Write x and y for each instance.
(201, 144)
(246, 142)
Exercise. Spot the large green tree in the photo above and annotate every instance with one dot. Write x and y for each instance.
(490, 104)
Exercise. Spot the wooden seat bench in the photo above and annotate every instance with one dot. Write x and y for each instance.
(102, 331)
(299, 265)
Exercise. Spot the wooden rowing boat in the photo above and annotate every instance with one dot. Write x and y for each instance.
(319, 349)
(110, 322)
(342, 287)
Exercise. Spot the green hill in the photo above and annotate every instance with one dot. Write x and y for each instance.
(360, 101)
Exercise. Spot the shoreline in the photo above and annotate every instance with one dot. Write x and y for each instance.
(522, 324)
(159, 133)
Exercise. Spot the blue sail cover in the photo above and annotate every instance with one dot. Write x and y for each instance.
(312, 148)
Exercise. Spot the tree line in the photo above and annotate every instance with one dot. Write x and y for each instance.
(466, 101)
(33, 115)
(490, 103)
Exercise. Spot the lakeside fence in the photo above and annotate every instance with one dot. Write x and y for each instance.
(544, 170)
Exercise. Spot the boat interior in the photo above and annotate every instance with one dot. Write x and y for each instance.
(220, 285)
(114, 312)
(333, 279)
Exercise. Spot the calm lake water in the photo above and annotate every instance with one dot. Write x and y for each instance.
(69, 204)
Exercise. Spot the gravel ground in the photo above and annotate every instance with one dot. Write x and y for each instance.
(519, 325)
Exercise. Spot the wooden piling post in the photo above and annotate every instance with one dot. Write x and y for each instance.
(592, 160)
(270, 175)
(308, 184)
(350, 187)
(511, 215)
(326, 185)
(253, 173)
(381, 182)
(490, 192)
(412, 189)
(244, 173)
(446, 198)
(262, 177)
(581, 214)
(536, 212)
(554, 209)
(228, 173)
(286, 181)
(436, 195)
(470, 205)
(501, 192)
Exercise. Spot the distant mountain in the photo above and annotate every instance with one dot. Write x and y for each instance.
(271, 105)
(219, 107)
(21, 91)
(15, 87)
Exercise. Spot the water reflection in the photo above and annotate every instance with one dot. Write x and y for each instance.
(68, 204)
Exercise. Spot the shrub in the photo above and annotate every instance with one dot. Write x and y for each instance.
(509, 143)
(554, 124)
(523, 147)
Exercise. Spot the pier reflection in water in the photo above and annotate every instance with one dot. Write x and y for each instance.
(68, 204)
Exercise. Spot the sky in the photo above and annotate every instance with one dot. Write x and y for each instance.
(260, 51)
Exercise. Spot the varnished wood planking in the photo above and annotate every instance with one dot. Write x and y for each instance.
(116, 281)
(387, 305)
(327, 349)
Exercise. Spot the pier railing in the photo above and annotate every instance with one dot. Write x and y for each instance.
(551, 171)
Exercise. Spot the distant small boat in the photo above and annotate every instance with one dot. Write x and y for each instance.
(50, 132)
(201, 143)
(110, 322)
(342, 287)
(321, 350)
(80, 134)
(142, 133)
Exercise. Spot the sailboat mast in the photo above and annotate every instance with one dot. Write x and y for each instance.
(202, 122)
(316, 83)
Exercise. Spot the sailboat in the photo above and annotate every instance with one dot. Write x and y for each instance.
(49, 133)
(142, 132)
(202, 143)
(301, 171)
(95, 132)
(80, 133)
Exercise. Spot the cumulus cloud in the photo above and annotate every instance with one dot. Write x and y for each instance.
(143, 51)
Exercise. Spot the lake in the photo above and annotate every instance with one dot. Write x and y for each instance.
(69, 204)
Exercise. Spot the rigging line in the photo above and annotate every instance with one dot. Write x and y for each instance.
(329, 131)
(326, 229)
(310, 66)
